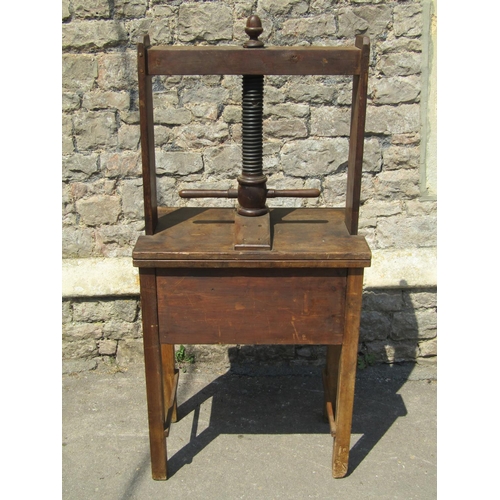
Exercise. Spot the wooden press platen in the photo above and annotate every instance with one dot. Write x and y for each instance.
(252, 232)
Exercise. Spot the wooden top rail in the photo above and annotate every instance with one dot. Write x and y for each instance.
(229, 60)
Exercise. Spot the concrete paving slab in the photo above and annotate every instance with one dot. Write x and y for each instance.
(250, 437)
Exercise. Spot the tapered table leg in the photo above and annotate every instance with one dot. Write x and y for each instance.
(347, 373)
(154, 374)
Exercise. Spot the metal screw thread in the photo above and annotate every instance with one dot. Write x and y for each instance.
(253, 91)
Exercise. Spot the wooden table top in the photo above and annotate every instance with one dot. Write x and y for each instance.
(203, 237)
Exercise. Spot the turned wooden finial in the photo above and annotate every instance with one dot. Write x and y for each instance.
(253, 30)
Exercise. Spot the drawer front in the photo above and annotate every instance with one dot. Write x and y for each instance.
(245, 306)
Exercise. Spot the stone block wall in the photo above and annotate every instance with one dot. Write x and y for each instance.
(198, 137)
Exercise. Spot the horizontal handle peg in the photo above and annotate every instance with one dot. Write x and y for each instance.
(293, 193)
(208, 193)
(233, 193)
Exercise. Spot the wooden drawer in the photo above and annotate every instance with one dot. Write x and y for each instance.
(251, 306)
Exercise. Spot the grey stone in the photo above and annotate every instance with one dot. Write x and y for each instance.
(163, 135)
(122, 330)
(289, 129)
(374, 325)
(197, 136)
(67, 311)
(280, 7)
(396, 90)
(203, 111)
(124, 164)
(223, 161)
(91, 311)
(232, 114)
(93, 35)
(376, 208)
(70, 101)
(372, 156)
(168, 195)
(399, 45)
(79, 167)
(94, 129)
(286, 110)
(400, 64)
(117, 241)
(178, 162)
(205, 21)
(330, 121)
(400, 232)
(130, 8)
(94, 9)
(132, 199)
(420, 324)
(421, 207)
(334, 188)
(129, 136)
(378, 17)
(315, 94)
(387, 120)
(387, 301)
(307, 28)
(130, 352)
(77, 242)
(70, 366)
(79, 349)
(420, 300)
(125, 309)
(106, 100)
(396, 157)
(397, 184)
(117, 71)
(428, 348)
(163, 26)
(82, 331)
(392, 352)
(67, 135)
(314, 157)
(351, 24)
(202, 93)
(66, 14)
(107, 347)
(172, 116)
(99, 209)
(408, 20)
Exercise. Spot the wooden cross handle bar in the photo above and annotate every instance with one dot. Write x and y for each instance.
(233, 193)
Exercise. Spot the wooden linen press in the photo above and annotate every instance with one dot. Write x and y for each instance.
(251, 275)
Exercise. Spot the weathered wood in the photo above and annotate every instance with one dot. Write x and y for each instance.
(169, 382)
(154, 379)
(331, 373)
(147, 138)
(303, 306)
(347, 372)
(315, 235)
(329, 404)
(226, 60)
(356, 137)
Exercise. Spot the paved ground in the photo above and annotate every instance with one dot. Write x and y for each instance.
(250, 437)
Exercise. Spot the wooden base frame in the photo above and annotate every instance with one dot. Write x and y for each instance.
(162, 376)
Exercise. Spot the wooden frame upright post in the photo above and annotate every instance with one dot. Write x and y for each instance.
(147, 138)
(356, 137)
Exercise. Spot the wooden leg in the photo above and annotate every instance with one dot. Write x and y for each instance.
(347, 373)
(154, 377)
(332, 374)
(169, 382)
